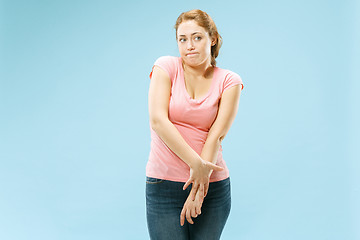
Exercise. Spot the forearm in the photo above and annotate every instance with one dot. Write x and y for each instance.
(166, 130)
(211, 149)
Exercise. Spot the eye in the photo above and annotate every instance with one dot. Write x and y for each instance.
(182, 40)
(197, 38)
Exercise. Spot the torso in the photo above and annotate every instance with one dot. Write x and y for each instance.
(198, 87)
(192, 118)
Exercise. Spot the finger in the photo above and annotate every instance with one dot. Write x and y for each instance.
(201, 193)
(206, 187)
(215, 167)
(187, 184)
(182, 217)
(198, 209)
(193, 191)
(193, 213)
(188, 217)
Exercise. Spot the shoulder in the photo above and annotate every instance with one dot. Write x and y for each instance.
(229, 78)
(167, 60)
(226, 73)
(169, 64)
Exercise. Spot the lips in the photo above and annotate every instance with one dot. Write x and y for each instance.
(191, 54)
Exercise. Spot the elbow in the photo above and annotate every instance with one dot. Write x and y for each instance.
(217, 138)
(156, 123)
(221, 138)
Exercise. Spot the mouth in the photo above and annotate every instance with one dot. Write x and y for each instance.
(191, 54)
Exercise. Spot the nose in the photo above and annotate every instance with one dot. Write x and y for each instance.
(190, 45)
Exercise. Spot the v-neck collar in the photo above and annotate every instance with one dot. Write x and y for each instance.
(187, 95)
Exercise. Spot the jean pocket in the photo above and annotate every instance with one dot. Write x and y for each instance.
(151, 180)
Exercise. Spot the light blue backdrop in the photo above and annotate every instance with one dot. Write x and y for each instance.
(74, 131)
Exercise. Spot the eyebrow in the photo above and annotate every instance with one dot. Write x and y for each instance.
(191, 34)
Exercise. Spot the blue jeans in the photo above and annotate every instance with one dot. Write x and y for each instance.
(165, 200)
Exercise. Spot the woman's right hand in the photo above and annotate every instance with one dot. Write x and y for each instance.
(191, 208)
(200, 172)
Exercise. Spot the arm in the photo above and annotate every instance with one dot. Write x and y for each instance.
(226, 114)
(159, 95)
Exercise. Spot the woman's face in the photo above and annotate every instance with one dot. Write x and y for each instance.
(194, 44)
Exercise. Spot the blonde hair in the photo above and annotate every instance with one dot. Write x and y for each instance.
(205, 21)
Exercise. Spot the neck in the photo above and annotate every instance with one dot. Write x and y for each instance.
(202, 70)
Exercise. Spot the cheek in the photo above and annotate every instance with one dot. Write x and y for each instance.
(181, 48)
(207, 48)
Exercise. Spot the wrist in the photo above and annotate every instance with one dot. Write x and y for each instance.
(195, 162)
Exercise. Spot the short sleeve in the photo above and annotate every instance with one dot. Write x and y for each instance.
(232, 79)
(168, 64)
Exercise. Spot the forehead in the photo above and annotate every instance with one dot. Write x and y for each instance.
(189, 27)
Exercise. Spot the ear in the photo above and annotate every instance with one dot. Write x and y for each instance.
(213, 41)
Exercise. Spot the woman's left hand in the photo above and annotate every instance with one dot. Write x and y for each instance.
(191, 208)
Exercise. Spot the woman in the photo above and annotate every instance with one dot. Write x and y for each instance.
(192, 104)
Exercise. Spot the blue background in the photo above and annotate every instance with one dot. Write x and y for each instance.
(74, 131)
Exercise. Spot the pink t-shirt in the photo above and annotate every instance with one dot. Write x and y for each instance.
(193, 119)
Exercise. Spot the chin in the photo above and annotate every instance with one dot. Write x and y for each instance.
(192, 62)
